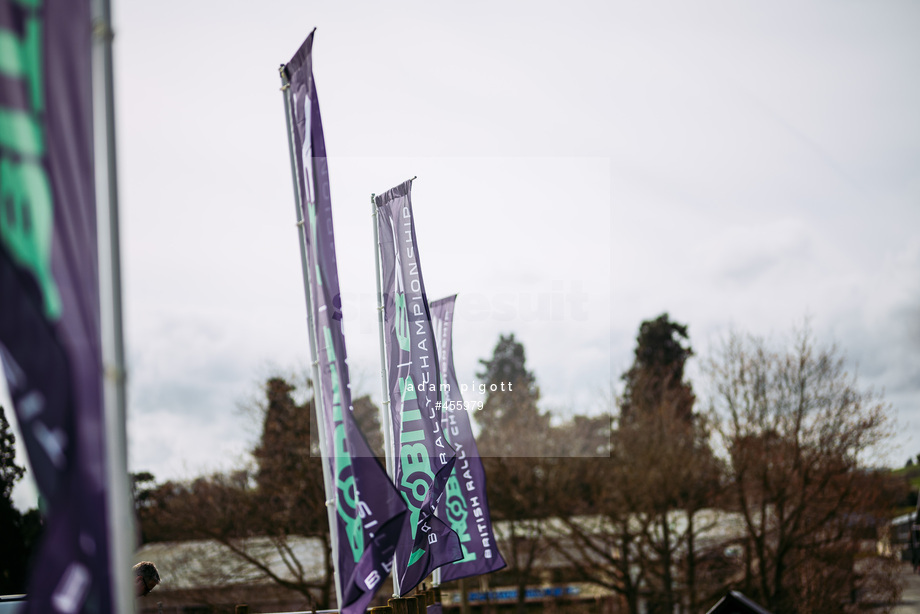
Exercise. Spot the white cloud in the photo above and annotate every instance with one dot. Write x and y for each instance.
(580, 168)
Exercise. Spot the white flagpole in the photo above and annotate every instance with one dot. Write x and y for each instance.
(118, 495)
(317, 382)
(388, 443)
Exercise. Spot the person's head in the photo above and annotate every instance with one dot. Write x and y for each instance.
(146, 578)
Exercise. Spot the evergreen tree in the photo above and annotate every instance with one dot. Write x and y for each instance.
(290, 477)
(510, 422)
(18, 532)
(10, 472)
(681, 472)
(656, 378)
(508, 365)
(515, 444)
(367, 416)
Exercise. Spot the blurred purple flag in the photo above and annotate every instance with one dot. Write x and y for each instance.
(370, 512)
(423, 456)
(465, 506)
(49, 294)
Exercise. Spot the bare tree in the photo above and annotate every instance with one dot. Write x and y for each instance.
(631, 519)
(601, 535)
(797, 430)
(227, 510)
(519, 493)
(630, 522)
(258, 514)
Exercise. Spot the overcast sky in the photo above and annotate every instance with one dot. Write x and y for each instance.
(582, 167)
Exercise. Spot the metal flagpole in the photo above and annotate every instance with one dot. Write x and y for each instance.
(118, 495)
(317, 382)
(388, 443)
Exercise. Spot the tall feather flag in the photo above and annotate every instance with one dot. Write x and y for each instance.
(465, 506)
(369, 513)
(51, 313)
(423, 456)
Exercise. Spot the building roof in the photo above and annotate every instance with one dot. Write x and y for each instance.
(736, 603)
(206, 563)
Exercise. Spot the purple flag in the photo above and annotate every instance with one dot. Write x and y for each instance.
(465, 506)
(423, 456)
(50, 342)
(370, 512)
